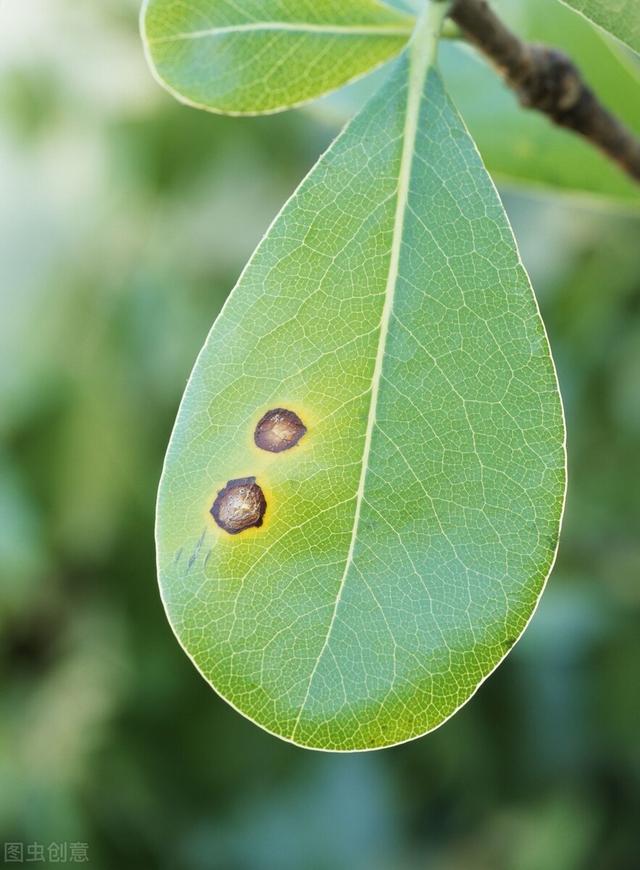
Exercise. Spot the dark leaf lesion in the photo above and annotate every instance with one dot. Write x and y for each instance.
(240, 505)
(279, 430)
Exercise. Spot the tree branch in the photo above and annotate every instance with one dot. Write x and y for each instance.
(545, 79)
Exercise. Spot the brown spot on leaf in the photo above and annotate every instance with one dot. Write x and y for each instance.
(240, 505)
(279, 430)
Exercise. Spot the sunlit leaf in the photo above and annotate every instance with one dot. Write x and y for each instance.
(409, 530)
(266, 55)
(619, 17)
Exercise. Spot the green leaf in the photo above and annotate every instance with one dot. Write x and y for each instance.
(619, 17)
(409, 533)
(266, 55)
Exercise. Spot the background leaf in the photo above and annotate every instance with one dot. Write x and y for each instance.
(619, 17)
(408, 536)
(266, 55)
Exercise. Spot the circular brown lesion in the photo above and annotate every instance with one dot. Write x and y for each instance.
(279, 430)
(240, 505)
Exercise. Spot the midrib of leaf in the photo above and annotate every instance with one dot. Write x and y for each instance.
(422, 51)
(287, 26)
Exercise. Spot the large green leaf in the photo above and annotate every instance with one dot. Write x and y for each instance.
(619, 17)
(265, 55)
(408, 535)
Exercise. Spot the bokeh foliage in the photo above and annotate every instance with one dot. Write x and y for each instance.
(124, 221)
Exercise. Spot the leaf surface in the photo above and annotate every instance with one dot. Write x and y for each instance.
(409, 533)
(266, 55)
(619, 17)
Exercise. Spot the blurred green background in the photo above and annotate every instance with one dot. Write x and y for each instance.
(124, 222)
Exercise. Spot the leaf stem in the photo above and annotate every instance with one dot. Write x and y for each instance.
(424, 42)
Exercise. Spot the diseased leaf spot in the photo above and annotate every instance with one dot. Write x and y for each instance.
(279, 430)
(240, 505)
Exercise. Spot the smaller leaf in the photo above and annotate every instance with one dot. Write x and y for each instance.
(266, 55)
(621, 18)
